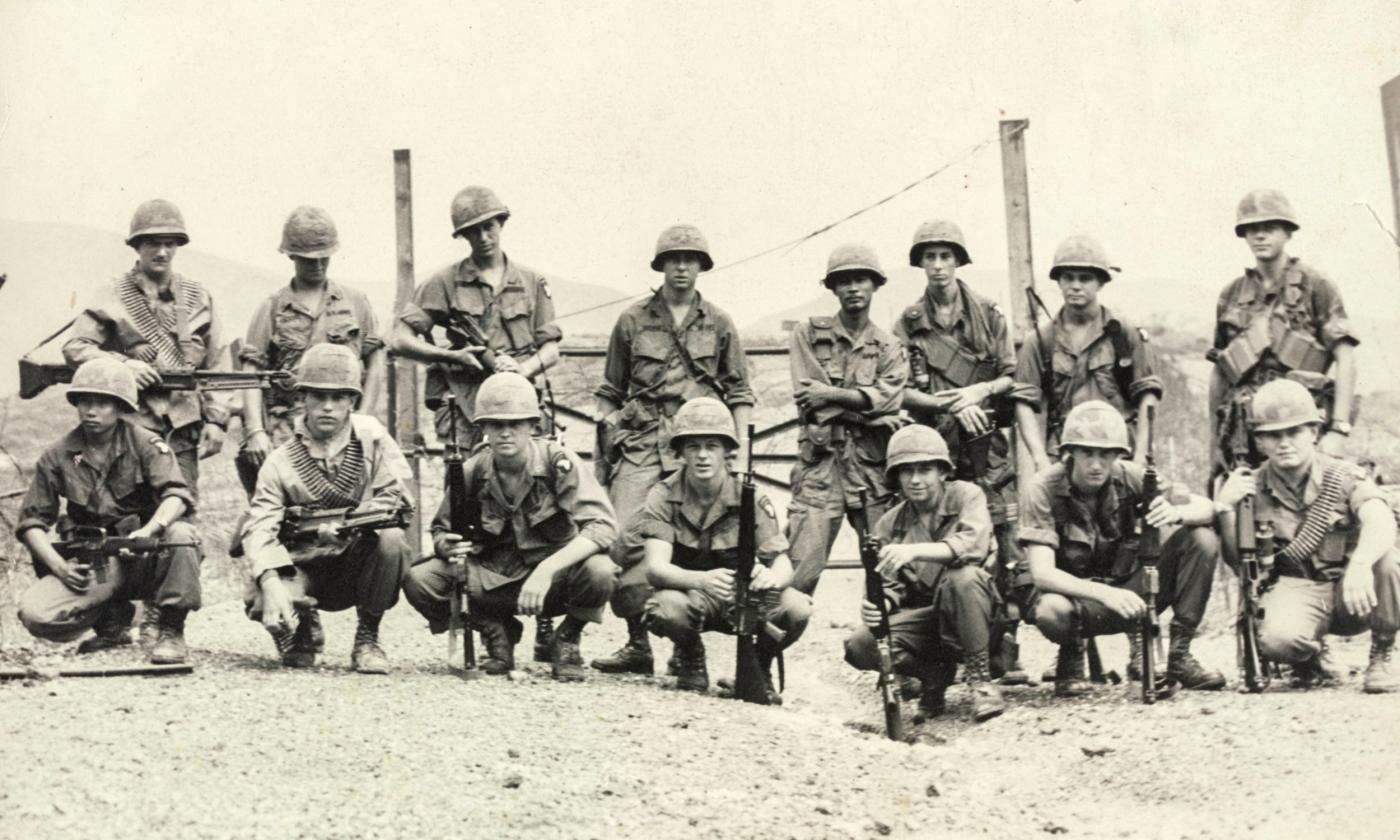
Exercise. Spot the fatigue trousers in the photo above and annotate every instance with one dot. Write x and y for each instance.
(1185, 570)
(1298, 612)
(956, 624)
(812, 530)
(366, 575)
(628, 491)
(680, 614)
(52, 611)
(582, 590)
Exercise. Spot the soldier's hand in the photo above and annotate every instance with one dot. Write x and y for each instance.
(894, 557)
(277, 610)
(1238, 485)
(974, 420)
(146, 376)
(890, 422)
(506, 364)
(1162, 513)
(811, 394)
(869, 613)
(147, 531)
(467, 357)
(1333, 444)
(1125, 602)
(719, 584)
(76, 576)
(211, 441)
(257, 447)
(1359, 590)
(533, 592)
(957, 399)
(448, 546)
(763, 578)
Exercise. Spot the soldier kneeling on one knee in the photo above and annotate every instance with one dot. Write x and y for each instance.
(941, 601)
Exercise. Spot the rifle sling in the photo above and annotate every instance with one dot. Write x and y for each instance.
(345, 490)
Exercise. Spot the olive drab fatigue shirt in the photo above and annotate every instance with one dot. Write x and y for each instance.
(561, 501)
(703, 537)
(517, 320)
(282, 330)
(134, 476)
(1088, 373)
(383, 485)
(960, 520)
(1285, 509)
(647, 374)
(972, 349)
(185, 312)
(838, 453)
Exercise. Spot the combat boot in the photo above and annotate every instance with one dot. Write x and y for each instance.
(1381, 677)
(634, 657)
(544, 638)
(170, 648)
(149, 631)
(315, 634)
(1006, 666)
(1069, 670)
(499, 638)
(282, 640)
(1317, 672)
(691, 674)
(368, 657)
(1134, 669)
(768, 651)
(987, 701)
(566, 664)
(933, 699)
(1182, 667)
(110, 631)
(305, 646)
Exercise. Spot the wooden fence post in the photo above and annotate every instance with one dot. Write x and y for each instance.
(403, 374)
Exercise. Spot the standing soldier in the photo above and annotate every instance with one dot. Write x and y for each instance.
(334, 459)
(665, 350)
(109, 469)
(848, 380)
(688, 530)
(497, 315)
(963, 371)
(940, 600)
(152, 318)
(313, 309)
(1337, 564)
(1077, 533)
(1280, 318)
(546, 528)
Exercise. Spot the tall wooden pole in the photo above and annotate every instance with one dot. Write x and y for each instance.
(1390, 109)
(404, 373)
(1018, 223)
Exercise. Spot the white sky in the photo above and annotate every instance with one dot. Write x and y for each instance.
(601, 123)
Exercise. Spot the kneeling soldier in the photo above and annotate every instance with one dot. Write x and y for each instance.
(689, 531)
(543, 536)
(110, 471)
(1337, 564)
(1077, 525)
(335, 459)
(941, 602)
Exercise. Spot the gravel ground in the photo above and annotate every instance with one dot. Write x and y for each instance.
(242, 748)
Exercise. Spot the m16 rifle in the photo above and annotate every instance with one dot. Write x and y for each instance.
(463, 331)
(34, 377)
(1254, 539)
(750, 683)
(1149, 553)
(875, 594)
(464, 520)
(93, 547)
(303, 525)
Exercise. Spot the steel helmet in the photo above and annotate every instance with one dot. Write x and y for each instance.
(309, 232)
(1082, 251)
(157, 217)
(682, 238)
(330, 367)
(506, 396)
(1282, 404)
(938, 232)
(916, 444)
(474, 205)
(703, 416)
(1095, 425)
(1264, 206)
(854, 256)
(107, 377)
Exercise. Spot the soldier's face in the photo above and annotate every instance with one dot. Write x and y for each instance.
(854, 290)
(485, 237)
(920, 482)
(327, 412)
(311, 269)
(96, 414)
(1266, 240)
(155, 254)
(1079, 286)
(508, 437)
(1288, 449)
(1090, 468)
(940, 264)
(704, 457)
(680, 270)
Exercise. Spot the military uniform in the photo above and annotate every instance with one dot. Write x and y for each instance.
(517, 320)
(839, 455)
(130, 479)
(561, 501)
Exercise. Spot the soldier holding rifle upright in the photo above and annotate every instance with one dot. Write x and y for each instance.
(110, 470)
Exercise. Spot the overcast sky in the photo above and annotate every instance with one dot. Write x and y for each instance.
(601, 123)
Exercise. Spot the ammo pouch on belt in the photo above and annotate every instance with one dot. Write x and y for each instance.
(957, 365)
(1294, 350)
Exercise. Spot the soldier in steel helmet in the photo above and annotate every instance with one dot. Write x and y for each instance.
(1282, 317)
(671, 347)
(335, 459)
(686, 539)
(109, 472)
(1076, 532)
(962, 374)
(312, 309)
(848, 380)
(547, 525)
(1337, 566)
(940, 600)
(153, 318)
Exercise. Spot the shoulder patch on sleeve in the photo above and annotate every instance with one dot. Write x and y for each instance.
(767, 507)
(1142, 335)
(562, 464)
(913, 313)
(995, 307)
(544, 287)
(822, 322)
(159, 444)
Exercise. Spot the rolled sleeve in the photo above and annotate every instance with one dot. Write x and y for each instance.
(545, 330)
(734, 366)
(971, 537)
(257, 343)
(654, 520)
(1364, 491)
(1001, 345)
(391, 475)
(1335, 326)
(578, 492)
(1028, 373)
(265, 513)
(41, 501)
(370, 338)
(1145, 378)
(887, 394)
(1037, 516)
(163, 472)
(618, 364)
(770, 542)
(431, 303)
(90, 332)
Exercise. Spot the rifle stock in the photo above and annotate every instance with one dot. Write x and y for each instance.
(875, 594)
(749, 683)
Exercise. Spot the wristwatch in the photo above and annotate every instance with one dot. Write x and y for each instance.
(1341, 427)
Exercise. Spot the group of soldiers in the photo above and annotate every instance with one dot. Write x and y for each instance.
(912, 435)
